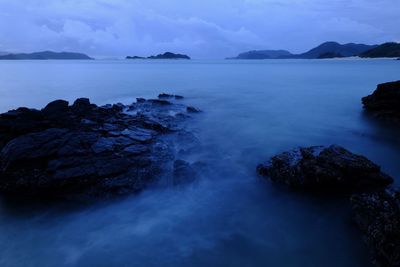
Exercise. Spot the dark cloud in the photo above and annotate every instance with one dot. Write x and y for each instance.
(203, 29)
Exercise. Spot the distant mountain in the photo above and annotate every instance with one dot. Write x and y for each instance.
(325, 50)
(3, 53)
(383, 50)
(334, 50)
(264, 54)
(45, 55)
(166, 55)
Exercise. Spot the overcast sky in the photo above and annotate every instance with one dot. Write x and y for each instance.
(202, 29)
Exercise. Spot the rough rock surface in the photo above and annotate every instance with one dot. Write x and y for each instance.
(385, 101)
(82, 148)
(330, 168)
(378, 216)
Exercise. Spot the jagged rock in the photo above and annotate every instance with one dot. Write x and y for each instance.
(330, 168)
(84, 149)
(385, 101)
(378, 216)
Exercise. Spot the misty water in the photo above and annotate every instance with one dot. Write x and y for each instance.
(252, 110)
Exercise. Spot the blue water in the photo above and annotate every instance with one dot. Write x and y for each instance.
(229, 217)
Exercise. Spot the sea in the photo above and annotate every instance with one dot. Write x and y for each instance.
(251, 111)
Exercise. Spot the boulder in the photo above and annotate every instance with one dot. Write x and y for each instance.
(84, 149)
(331, 168)
(378, 216)
(385, 101)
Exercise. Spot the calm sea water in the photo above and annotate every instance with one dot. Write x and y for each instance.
(230, 217)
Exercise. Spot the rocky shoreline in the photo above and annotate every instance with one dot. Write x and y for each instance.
(83, 150)
(334, 169)
(384, 102)
(375, 204)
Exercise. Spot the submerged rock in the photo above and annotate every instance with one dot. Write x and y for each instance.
(378, 216)
(163, 95)
(385, 101)
(192, 110)
(330, 168)
(65, 150)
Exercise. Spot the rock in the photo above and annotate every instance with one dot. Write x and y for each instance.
(85, 150)
(57, 106)
(385, 101)
(330, 168)
(82, 105)
(163, 95)
(378, 216)
(192, 110)
(159, 102)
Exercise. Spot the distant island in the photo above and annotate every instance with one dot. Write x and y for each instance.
(45, 55)
(263, 54)
(328, 50)
(166, 55)
(383, 50)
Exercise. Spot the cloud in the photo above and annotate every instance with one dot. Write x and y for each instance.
(203, 29)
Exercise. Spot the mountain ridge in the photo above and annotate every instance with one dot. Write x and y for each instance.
(328, 49)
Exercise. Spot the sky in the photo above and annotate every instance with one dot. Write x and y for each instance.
(203, 29)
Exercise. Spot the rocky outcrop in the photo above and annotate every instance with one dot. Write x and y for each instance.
(385, 101)
(65, 150)
(333, 168)
(330, 168)
(378, 216)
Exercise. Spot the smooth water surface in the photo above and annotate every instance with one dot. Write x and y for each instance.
(229, 217)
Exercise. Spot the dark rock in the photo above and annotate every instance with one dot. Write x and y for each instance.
(140, 100)
(82, 106)
(84, 149)
(385, 101)
(57, 106)
(330, 168)
(378, 216)
(192, 110)
(163, 95)
(159, 102)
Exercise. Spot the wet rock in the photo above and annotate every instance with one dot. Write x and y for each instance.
(385, 101)
(192, 110)
(57, 106)
(378, 216)
(159, 102)
(163, 95)
(319, 168)
(82, 105)
(84, 149)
